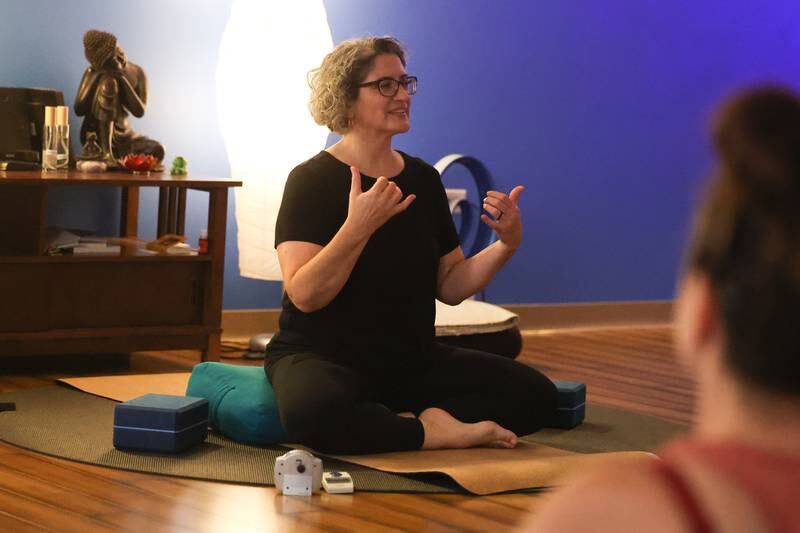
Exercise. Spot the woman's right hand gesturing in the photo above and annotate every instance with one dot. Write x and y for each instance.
(370, 210)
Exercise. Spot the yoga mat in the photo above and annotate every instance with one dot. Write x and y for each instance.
(543, 459)
(604, 430)
(485, 471)
(66, 423)
(128, 387)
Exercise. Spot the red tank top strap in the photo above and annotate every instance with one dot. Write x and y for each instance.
(683, 493)
(768, 478)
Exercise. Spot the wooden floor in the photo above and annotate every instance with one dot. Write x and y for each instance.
(631, 368)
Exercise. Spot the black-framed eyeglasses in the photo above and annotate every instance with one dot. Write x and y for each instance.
(389, 86)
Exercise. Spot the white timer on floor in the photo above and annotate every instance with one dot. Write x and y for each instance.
(335, 482)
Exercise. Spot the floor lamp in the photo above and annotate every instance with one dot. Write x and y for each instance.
(266, 52)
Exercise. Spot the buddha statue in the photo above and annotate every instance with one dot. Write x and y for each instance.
(112, 88)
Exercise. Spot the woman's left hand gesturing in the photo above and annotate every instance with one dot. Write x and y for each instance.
(507, 219)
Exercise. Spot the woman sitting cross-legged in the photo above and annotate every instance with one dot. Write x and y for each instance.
(366, 244)
(737, 331)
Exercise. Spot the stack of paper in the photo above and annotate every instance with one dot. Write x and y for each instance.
(100, 248)
(59, 239)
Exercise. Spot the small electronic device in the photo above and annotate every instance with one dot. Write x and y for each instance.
(335, 482)
(21, 125)
(298, 473)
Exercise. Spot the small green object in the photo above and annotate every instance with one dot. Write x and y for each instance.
(179, 167)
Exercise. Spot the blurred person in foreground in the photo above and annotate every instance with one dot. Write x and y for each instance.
(736, 330)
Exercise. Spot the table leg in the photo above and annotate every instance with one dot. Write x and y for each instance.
(163, 201)
(211, 353)
(129, 219)
(181, 222)
(172, 210)
(212, 307)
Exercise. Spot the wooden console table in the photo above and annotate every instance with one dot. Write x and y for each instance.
(108, 303)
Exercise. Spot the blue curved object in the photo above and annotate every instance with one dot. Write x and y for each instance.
(484, 183)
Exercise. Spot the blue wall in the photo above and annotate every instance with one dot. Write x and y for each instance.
(599, 108)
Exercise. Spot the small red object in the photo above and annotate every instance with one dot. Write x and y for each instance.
(202, 242)
(139, 162)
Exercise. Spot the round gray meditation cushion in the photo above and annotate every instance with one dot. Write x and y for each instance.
(479, 326)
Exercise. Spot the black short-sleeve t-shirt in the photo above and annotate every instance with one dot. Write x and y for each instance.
(384, 315)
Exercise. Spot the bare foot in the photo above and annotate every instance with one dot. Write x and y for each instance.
(442, 431)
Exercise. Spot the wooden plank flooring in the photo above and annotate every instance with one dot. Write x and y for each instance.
(631, 368)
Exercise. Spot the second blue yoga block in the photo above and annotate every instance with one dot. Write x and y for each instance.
(571, 404)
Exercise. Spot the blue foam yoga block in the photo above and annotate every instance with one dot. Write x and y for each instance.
(570, 393)
(570, 418)
(160, 423)
(571, 404)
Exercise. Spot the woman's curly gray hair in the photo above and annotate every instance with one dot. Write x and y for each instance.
(334, 85)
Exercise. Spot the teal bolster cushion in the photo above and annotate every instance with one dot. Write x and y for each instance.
(241, 403)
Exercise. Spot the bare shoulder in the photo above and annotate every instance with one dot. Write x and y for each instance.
(618, 496)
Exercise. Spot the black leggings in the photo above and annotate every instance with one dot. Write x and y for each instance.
(337, 408)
